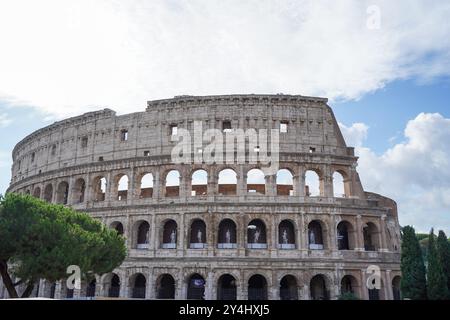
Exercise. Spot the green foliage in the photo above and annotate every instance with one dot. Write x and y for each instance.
(436, 279)
(413, 281)
(348, 296)
(421, 236)
(424, 248)
(423, 241)
(443, 251)
(41, 240)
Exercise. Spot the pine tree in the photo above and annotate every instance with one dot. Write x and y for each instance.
(42, 239)
(413, 282)
(443, 249)
(436, 279)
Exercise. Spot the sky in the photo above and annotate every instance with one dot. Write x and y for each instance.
(384, 65)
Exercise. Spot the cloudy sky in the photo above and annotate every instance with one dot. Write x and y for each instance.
(384, 65)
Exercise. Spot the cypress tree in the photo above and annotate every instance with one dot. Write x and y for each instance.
(413, 282)
(436, 279)
(443, 249)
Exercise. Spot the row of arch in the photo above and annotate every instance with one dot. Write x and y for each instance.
(227, 185)
(256, 235)
(257, 288)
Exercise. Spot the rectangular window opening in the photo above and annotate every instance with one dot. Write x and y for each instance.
(226, 126)
(124, 135)
(84, 142)
(173, 130)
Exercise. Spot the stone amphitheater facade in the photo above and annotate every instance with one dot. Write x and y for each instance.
(190, 241)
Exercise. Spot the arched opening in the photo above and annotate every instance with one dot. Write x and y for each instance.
(143, 235)
(122, 187)
(286, 235)
(374, 294)
(48, 193)
(227, 235)
(169, 240)
(370, 233)
(375, 285)
(114, 286)
(345, 236)
(227, 182)
(53, 290)
(62, 193)
(285, 183)
(37, 192)
(315, 235)
(318, 288)
(312, 184)
(349, 285)
(196, 287)
(146, 186)
(396, 293)
(172, 184)
(226, 288)
(139, 285)
(79, 189)
(288, 288)
(69, 293)
(90, 289)
(37, 289)
(197, 238)
(256, 235)
(118, 226)
(339, 185)
(165, 287)
(257, 288)
(53, 152)
(199, 183)
(256, 182)
(99, 187)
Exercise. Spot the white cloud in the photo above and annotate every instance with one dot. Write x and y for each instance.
(415, 173)
(227, 176)
(67, 57)
(284, 177)
(255, 176)
(5, 164)
(5, 159)
(4, 120)
(313, 183)
(355, 135)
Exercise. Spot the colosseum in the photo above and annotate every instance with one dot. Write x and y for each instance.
(219, 230)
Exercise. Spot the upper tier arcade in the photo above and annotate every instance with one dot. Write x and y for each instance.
(99, 136)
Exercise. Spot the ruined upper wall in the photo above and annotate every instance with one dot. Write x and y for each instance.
(95, 136)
